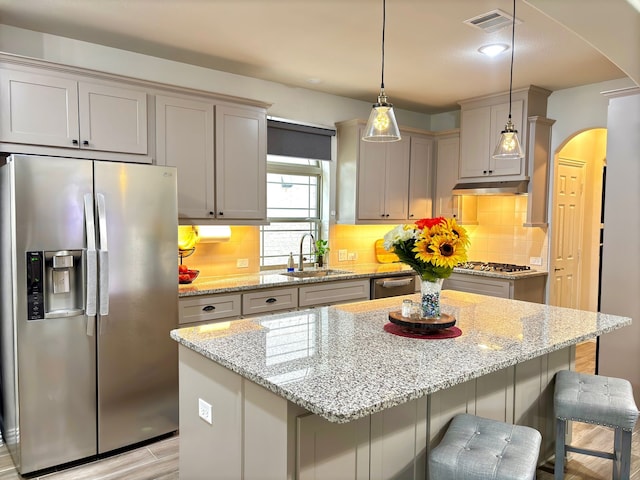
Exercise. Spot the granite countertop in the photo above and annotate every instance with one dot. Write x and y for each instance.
(339, 363)
(274, 278)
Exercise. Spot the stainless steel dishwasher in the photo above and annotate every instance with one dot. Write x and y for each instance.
(393, 286)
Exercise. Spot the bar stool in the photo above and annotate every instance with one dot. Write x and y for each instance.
(600, 400)
(476, 448)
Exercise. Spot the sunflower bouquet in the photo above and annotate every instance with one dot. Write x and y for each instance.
(431, 246)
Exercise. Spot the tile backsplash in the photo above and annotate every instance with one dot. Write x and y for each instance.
(498, 237)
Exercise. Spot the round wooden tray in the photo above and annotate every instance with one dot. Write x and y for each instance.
(422, 324)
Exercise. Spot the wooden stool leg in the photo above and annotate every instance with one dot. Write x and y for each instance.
(625, 454)
(560, 439)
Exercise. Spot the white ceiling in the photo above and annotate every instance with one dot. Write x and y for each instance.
(431, 57)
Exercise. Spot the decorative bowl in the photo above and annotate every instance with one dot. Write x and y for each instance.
(188, 277)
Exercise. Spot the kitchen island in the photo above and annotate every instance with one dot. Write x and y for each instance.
(328, 393)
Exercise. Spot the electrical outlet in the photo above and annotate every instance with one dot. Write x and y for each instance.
(204, 411)
(242, 263)
(342, 255)
(535, 261)
(352, 256)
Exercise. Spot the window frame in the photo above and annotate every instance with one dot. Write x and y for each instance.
(283, 168)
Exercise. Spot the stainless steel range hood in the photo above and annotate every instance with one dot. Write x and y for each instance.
(491, 188)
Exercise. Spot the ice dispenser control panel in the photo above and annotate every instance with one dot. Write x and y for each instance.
(35, 296)
(55, 284)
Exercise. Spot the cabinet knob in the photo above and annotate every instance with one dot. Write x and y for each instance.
(85, 142)
(490, 172)
(271, 300)
(208, 308)
(484, 172)
(220, 213)
(211, 213)
(387, 215)
(411, 215)
(75, 142)
(382, 215)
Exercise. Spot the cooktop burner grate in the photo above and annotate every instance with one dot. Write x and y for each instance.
(494, 267)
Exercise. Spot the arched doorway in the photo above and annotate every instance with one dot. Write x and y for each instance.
(576, 217)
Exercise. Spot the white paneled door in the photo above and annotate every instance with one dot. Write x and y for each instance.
(564, 270)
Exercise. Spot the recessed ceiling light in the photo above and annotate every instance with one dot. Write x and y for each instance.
(493, 49)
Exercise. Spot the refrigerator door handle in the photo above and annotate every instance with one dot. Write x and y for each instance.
(103, 256)
(92, 266)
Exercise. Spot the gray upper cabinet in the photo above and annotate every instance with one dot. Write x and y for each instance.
(69, 111)
(481, 121)
(383, 182)
(220, 153)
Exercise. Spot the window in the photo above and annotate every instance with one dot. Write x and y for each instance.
(293, 208)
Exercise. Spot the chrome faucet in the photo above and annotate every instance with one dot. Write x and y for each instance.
(313, 246)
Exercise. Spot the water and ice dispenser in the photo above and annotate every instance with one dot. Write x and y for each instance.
(55, 286)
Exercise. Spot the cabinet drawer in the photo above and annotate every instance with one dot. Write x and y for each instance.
(265, 301)
(213, 307)
(494, 287)
(331, 293)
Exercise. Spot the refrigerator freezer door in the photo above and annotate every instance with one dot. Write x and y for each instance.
(137, 360)
(55, 358)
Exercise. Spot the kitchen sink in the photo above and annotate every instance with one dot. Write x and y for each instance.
(315, 273)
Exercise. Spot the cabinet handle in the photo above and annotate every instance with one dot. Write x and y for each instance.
(211, 213)
(490, 172)
(271, 300)
(85, 142)
(208, 308)
(221, 213)
(382, 215)
(484, 172)
(557, 269)
(411, 215)
(75, 142)
(387, 215)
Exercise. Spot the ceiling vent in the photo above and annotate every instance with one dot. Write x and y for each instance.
(491, 21)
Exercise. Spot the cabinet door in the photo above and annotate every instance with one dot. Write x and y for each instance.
(475, 128)
(241, 163)
(499, 117)
(372, 163)
(332, 450)
(421, 178)
(396, 199)
(184, 139)
(112, 119)
(38, 109)
(447, 160)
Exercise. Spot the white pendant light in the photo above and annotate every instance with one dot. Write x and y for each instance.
(382, 125)
(508, 147)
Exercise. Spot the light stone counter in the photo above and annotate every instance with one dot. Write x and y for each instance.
(339, 363)
(274, 278)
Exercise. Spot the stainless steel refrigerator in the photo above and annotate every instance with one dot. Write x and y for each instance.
(88, 297)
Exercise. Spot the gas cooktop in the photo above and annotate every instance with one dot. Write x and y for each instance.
(494, 267)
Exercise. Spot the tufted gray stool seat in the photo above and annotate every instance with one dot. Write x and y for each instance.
(476, 448)
(600, 400)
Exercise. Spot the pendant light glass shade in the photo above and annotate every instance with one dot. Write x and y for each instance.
(382, 125)
(508, 147)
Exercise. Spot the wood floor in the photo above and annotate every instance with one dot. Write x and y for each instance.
(159, 460)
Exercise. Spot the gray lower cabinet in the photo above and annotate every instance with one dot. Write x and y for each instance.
(530, 289)
(194, 310)
(269, 301)
(209, 308)
(331, 293)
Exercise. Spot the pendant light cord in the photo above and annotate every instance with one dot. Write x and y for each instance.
(384, 21)
(513, 35)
